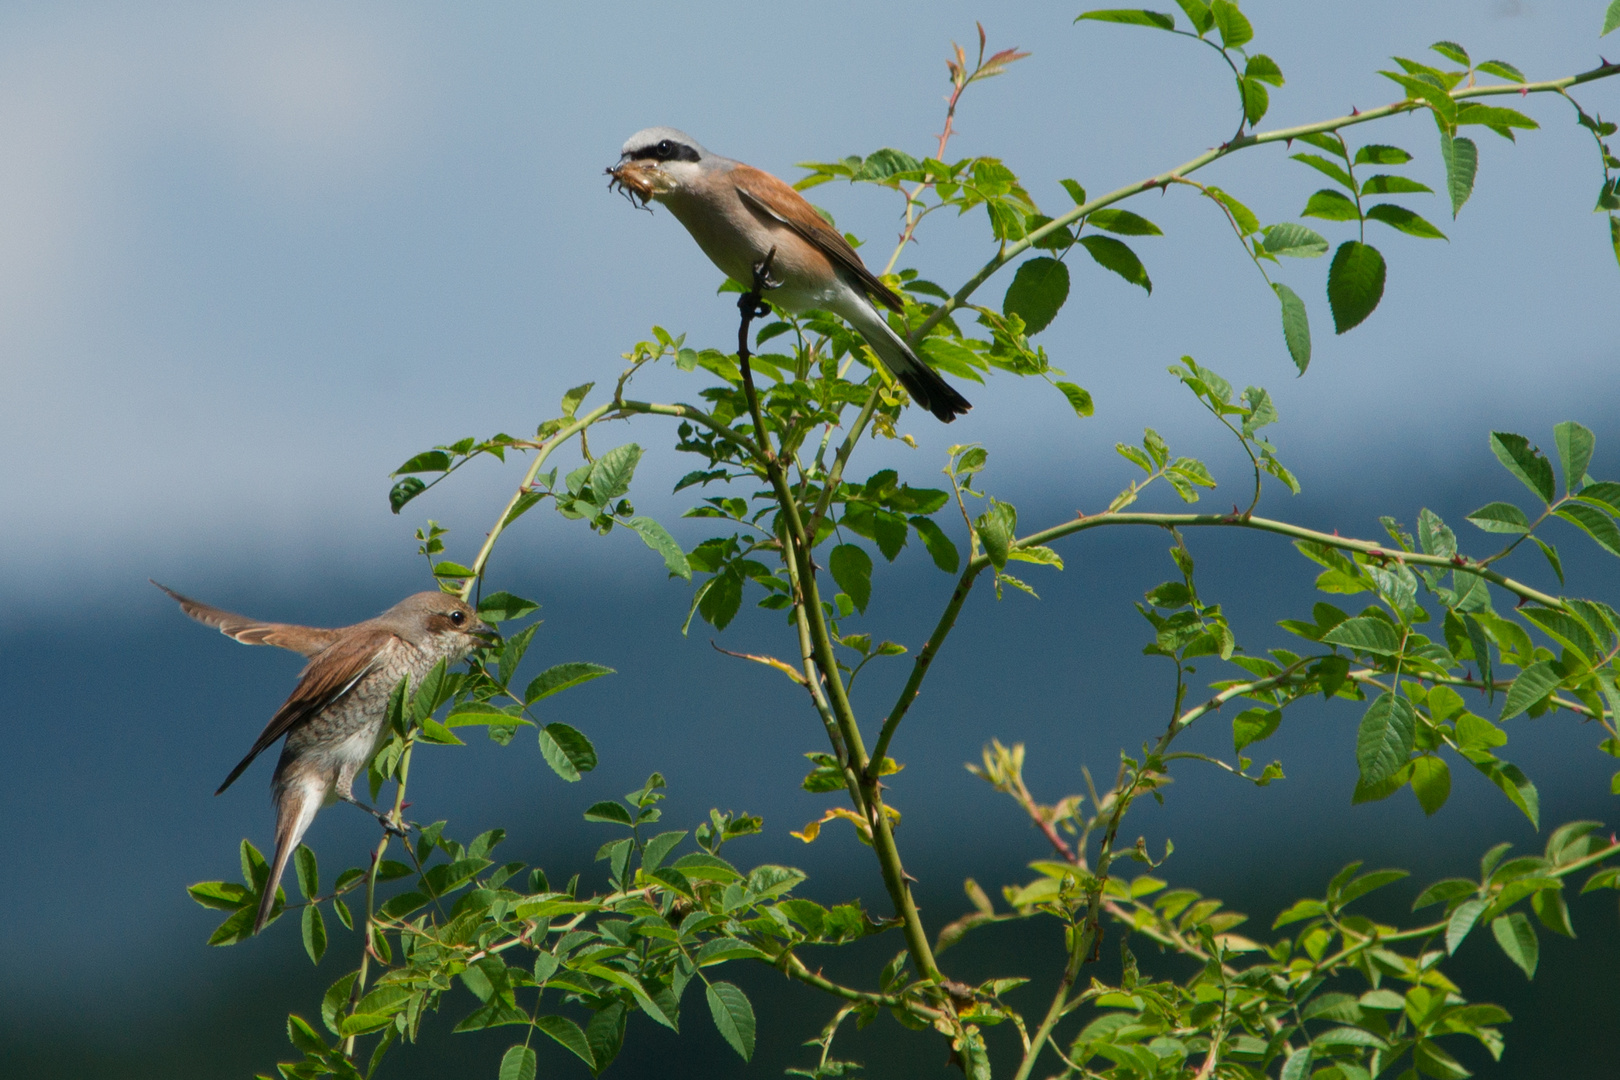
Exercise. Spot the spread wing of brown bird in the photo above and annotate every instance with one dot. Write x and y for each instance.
(328, 677)
(308, 640)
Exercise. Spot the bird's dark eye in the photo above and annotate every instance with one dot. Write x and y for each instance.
(458, 617)
(665, 150)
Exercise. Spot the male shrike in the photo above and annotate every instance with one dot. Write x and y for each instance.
(738, 214)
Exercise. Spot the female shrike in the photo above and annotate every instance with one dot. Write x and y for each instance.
(738, 214)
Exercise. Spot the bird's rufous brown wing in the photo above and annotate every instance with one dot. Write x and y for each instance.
(765, 194)
(328, 677)
(307, 640)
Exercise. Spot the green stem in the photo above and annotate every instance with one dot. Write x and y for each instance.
(835, 476)
(1008, 252)
(528, 478)
(371, 886)
(919, 667)
(1281, 528)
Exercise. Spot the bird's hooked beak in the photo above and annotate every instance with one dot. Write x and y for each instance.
(641, 180)
(485, 633)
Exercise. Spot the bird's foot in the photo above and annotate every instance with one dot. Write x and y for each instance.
(400, 829)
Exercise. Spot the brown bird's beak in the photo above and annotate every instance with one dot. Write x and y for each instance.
(484, 632)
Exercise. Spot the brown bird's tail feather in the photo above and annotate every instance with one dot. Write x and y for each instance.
(922, 382)
(296, 804)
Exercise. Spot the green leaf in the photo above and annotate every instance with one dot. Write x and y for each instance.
(1385, 738)
(610, 476)
(309, 875)
(1296, 324)
(404, 491)
(1595, 523)
(1263, 68)
(1294, 240)
(1462, 921)
(1234, 29)
(1534, 683)
(1431, 782)
(1384, 184)
(609, 812)
(996, 528)
(657, 537)
(1113, 255)
(554, 680)
(1551, 909)
(568, 1033)
(1123, 222)
(1366, 634)
(1399, 217)
(1512, 782)
(1518, 940)
(1256, 99)
(1575, 444)
(1247, 223)
(1552, 557)
(1197, 12)
(1298, 1065)
(1253, 725)
(734, 1016)
(314, 933)
(1037, 292)
(1611, 18)
(1331, 170)
(940, 547)
(1078, 397)
(518, 1063)
(1332, 205)
(851, 568)
(568, 752)
(1502, 69)
(1355, 284)
(431, 461)
(504, 607)
(1500, 517)
(659, 847)
(1131, 17)
(1379, 154)
(1524, 461)
(1453, 52)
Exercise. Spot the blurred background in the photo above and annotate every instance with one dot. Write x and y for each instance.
(252, 257)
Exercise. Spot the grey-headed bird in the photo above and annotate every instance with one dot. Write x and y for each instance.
(738, 214)
(335, 718)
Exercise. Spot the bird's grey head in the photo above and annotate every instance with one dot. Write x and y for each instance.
(662, 144)
(660, 161)
(439, 622)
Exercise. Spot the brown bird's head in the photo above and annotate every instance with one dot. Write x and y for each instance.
(657, 161)
(438, 622)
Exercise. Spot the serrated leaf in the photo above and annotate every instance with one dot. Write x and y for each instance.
(567, 1033)
(658, 538)
(940, 547)
(556, 679)
(1518, 940)
(1131, 17)
(404, 491)
(1595, 523)
(1296, 324)
(518, 1063)
(504, 607)
(1399, 217)
(1533, 683)
(1574, 443)
(1524, 461)
(733, 1015)
(1611, 18)
(1366, 634)
(314, 929)
(1114, 255)
(1355, 284)
(1294, 240)
(567, 751)
(1462, 921)
(1331, 205)
(1385, 738)
(1431, 782)
(1037, 292)
(851, 568)
(1078, 397)
(1500, 517)
(1123, 222)
(1233, 27)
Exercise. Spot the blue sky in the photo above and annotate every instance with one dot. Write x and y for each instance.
(253, 256)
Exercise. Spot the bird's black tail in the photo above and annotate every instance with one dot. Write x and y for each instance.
(922, 382)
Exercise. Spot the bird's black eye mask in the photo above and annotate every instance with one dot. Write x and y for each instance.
(665, 150)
